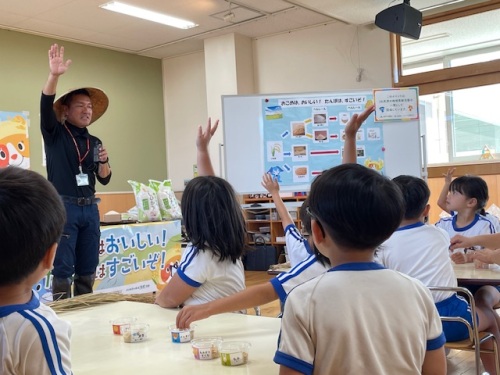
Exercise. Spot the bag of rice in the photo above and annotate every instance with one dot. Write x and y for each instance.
(146, 201)
(169, 206)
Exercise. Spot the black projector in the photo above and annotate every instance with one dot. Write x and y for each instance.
(401, 19)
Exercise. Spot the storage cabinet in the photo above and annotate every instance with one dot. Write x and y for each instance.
(262, 220)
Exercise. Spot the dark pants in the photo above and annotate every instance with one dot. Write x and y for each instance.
(78, 250)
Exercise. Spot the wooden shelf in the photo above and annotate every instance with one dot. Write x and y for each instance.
(267, 207)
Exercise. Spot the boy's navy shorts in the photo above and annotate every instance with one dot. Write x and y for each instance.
(455, 306)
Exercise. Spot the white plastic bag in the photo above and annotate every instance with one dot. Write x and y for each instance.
(146, 202)
(167, 201)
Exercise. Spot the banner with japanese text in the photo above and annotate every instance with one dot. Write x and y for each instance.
(133, 258)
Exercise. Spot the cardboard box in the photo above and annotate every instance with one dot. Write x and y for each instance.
(112, 216)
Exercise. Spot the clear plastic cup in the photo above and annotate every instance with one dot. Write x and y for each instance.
(136, 332)
(234, 353)
(121, 325)
(206, 348)
(181, 335)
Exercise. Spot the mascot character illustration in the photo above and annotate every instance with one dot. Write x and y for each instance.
(14, 143)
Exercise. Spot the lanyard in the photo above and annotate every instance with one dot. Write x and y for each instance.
(80, 158)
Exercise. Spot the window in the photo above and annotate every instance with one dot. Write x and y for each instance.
(456, 65)
(462, 125)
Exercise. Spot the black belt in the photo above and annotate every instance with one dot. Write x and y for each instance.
(81, 201)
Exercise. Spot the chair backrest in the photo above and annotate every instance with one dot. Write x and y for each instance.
(474, 337)
(464, 292)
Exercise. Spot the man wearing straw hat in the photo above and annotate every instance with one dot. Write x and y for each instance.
(75, 159)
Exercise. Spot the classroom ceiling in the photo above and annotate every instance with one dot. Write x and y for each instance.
(82, 21)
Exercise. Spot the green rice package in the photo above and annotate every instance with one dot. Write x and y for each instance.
(146, 202)
(167, 201)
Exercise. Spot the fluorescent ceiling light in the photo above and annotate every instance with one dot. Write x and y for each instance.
(149, 15)
(440, 5)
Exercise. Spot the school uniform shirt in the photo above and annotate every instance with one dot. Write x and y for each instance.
(33, 340)
(359, 318)
(212, 278)
(420, 251)
(480, 225)
(308, 265)
(296, 245)
(494, 220)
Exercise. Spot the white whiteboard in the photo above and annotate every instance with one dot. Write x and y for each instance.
(244, 147)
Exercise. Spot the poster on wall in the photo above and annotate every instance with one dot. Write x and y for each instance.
(305, 136)
(396, 104)
(14, 139)
(135, 258)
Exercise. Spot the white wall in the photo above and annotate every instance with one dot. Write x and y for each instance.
(323, 58)
(226, 75)
(185, 108)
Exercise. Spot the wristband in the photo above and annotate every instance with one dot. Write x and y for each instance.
(104, 162)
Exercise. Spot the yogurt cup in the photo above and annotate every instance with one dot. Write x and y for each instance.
(121, 325)
(234, 353)
(206, 348)
(181, 335)
(136, 332)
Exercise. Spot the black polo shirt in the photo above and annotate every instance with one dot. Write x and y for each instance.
(61, 154)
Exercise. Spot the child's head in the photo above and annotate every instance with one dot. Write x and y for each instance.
(305, 219)
(355, 206)
(213, 217)
(32, 218)
(471, 187)
(416, 195)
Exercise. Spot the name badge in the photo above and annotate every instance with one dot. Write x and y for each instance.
(82, 179)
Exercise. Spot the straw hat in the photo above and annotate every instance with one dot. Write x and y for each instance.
(98, 98)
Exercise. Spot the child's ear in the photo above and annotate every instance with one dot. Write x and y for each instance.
(427, 208)
(472, 202)
(317, 232)
(48, 259)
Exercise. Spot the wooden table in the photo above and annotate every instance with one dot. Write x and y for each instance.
(467, 274)
(96, 350)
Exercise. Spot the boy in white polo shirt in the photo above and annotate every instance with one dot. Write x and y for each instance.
(359, 317)
(421, 251)
(33, 340)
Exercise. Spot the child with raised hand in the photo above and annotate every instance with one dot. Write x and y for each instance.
(444, 195)
(203, 160)
(33, 340)
(313, 265)
(338, 322)
(465, 199)
(211, 265)
(421, 251)
(255, 295)
(351, 131)
(297, 246)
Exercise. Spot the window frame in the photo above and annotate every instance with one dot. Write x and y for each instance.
(447, 79)
(451, 78)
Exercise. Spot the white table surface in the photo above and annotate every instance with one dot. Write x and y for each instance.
(96, 350)
(468, 274)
